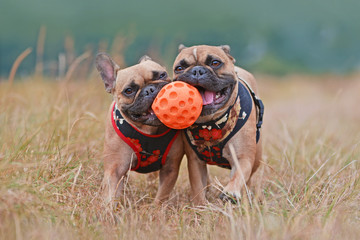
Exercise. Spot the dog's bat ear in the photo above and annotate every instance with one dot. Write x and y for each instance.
(181, 47)
(226, 49)
(144, 58)
(107, 69)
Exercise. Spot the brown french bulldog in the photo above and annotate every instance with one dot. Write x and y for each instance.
(227, 133)
(135, 139)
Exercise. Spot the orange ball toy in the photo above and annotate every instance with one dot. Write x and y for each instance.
(178, 105)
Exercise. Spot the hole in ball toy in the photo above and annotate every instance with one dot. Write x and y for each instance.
(185, 112)
(166, 117)
(173, 109)
(190, 101)
(173, 95)
(182, 104)
(193, 109)
(181, 119)
(161, 93)
(179, 84)
(191, 93)
(163, 102)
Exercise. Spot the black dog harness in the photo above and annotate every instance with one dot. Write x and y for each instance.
(151, 150)
(209, 139)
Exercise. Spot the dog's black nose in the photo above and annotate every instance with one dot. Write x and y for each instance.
(198, 71)
(149, 90)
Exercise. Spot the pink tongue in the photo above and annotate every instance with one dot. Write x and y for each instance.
(208, 97)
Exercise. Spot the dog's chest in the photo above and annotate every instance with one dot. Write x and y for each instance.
(151, 150)
(208, 140)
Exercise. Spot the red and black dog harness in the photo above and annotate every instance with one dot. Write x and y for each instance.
(151, 150)
(209, 139)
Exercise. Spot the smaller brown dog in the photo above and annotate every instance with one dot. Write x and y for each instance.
(227, 133)
(135, 139)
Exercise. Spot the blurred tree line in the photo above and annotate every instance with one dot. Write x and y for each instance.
(274, 37)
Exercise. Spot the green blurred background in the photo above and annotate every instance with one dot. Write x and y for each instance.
(272, 37)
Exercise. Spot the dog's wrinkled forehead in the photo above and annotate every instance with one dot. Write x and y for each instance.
(141, 73)
(200, 54)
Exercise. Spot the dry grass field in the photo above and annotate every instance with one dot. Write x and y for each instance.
(51, 139)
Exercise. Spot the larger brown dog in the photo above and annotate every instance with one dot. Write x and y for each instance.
(229, 118)
(134, 137)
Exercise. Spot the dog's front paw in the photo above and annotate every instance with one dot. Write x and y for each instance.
(105, 190)
(106, 195)
(230, 197)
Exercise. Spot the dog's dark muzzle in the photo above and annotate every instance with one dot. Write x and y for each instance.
(140, 110)
(202, 77)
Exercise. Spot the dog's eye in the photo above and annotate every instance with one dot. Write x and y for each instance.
(163, 76)
(128, 91)
(179, 69)
(215, 63)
